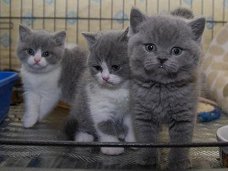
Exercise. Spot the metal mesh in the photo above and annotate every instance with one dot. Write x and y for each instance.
(76, 16)
(89, 157)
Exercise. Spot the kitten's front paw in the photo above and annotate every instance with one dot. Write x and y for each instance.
(29, 121)
(180, 165)
(112, 150)
(83, 137)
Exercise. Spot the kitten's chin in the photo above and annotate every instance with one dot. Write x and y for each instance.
(110, 85)
(39, 68)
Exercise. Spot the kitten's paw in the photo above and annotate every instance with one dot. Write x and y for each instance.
(83, 137)
(180, 165)
(112, 150)
(29, 121)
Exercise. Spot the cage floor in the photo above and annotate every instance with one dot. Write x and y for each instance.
(83, 158)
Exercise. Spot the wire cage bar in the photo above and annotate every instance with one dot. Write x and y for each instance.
(76, 16)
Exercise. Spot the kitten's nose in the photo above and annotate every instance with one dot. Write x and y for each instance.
(106, 78)
(36, 59)
(162, 60)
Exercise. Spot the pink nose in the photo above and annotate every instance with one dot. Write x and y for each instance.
(106, 78)
(36, 60)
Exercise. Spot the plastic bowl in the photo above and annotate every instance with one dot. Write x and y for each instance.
(222, 136)
(7, 80)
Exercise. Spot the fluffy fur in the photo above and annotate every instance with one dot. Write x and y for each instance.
(101, 109)
(49, 71)
(164, 54)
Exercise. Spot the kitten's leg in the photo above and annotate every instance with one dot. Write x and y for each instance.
(180, 132)
(107, 133)
(83, 137)
(47, 103)
(130, 137)
(146, 131)
(32, 104)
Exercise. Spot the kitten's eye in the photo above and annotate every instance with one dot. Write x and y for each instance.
(97, 67)
(150, 47)
(176, 51)
(30, 51)
(45, 54)
(115, 67)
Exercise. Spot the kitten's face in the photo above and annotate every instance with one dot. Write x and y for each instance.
(40, 51)
(163, 49)
(108, 60)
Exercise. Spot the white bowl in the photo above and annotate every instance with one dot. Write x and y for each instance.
(222, 136)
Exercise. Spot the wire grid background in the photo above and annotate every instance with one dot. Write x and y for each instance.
(76, 16)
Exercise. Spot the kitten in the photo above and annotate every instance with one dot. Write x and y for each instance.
(101, 111)
(49, 71)
(183, 12)
(164, 54)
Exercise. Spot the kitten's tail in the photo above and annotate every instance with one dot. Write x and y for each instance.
(183, 12)
(70, 128)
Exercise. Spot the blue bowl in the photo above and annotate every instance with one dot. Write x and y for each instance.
(7, 80)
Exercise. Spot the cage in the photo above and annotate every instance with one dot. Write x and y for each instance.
(44, 146)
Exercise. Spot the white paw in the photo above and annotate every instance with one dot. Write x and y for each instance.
(83, 137)
(130, 138)
(29, 121)
(112, 150)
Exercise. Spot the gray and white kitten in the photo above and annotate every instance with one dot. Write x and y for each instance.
(101, 110)
(49, 71)
(164, 54)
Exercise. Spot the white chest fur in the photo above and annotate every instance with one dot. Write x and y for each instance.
(108, 104)
(43, 83)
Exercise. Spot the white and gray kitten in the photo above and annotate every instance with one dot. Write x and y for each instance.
(101, 110)
(164, 53)
(49, 71)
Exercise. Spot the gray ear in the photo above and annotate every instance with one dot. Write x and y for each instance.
(136, 18)
(24, 32)
(124, 36)
(91, 38)
(59, 38)
(197, 27)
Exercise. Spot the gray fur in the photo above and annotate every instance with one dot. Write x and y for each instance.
(183, 12)
(113, 128)
(72, 61)
(164, 85)
(110, 47)
(35, 39)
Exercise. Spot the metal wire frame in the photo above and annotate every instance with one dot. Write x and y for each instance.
(107, 144)
(10, 18)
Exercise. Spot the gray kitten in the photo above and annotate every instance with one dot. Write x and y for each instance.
(49, 71)
(101, 110)
(164, 54)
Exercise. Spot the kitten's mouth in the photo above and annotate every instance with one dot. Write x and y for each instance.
(37, 66)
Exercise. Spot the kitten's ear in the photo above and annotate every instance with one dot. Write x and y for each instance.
(91, 38)
(197, 27)
(59, 38)
(136, 18)
(24, 32)
(124, 36)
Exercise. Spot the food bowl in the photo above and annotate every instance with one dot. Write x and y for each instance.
(7, 80)
(222, 136)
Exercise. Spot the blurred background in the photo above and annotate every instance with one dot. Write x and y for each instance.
(76, 16)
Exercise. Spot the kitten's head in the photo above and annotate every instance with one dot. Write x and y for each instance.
(108, 59)
(40, 51)
(163, 48)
